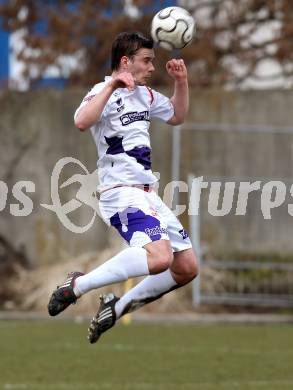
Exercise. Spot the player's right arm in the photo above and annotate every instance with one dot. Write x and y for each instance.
(91, 113)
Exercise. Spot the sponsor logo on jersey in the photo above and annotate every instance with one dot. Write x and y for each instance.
(155, 231)
(120, 108)
(134, 116)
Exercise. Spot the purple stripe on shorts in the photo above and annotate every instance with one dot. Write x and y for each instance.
(134, 220)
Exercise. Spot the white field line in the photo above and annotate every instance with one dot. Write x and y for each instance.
(144, 385)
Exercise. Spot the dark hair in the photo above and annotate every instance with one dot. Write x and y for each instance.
(127, 44)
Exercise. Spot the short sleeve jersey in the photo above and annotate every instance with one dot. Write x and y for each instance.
(122, 134)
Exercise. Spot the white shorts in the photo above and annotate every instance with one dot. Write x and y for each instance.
(141, 217)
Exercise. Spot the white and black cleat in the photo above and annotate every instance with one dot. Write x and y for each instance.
(104, 319)
(64, 295)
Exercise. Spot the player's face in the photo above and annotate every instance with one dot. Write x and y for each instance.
(141, 66)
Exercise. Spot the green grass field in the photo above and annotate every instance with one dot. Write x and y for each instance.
(56, 355)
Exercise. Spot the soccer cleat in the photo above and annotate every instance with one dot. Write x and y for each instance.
(104, 319)
(64, 295)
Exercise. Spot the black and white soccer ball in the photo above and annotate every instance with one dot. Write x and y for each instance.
(173, 28)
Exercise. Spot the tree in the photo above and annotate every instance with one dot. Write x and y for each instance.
(235, 40)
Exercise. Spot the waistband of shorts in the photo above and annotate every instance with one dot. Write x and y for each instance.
(144, 187)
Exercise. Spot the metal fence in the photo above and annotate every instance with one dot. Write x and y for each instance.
(234, 282)
(246, 282)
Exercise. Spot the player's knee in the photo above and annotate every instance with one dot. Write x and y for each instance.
(186, 269)
(161, 260)
(160, 256)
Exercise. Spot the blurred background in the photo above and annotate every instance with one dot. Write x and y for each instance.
(239, 129)
(238, 137)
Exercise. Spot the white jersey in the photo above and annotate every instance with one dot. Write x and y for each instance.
(122, 134)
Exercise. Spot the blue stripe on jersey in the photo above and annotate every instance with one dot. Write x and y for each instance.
(142, 154)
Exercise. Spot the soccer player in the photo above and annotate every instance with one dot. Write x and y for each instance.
(118, 112)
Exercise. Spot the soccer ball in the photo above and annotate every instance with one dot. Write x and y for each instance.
(173, 28)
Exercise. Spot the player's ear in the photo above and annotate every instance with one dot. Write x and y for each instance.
(124, 62)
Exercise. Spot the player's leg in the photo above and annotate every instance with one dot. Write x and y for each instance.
(135, 261)
(183, 269)
(142, 228)
(106, 315)
(129, 263)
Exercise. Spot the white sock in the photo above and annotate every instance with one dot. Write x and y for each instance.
(129, 263)
(149, 289)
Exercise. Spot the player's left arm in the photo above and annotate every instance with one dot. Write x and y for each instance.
(180, 99)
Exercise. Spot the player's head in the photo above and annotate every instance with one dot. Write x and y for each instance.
(133, 52)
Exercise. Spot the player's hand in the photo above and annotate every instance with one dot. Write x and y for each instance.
(123, 80)
(177, 69)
